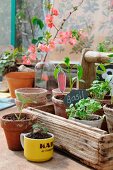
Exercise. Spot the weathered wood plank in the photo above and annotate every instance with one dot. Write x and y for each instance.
(91, 146)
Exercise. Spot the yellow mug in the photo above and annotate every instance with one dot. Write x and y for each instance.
(37, 150)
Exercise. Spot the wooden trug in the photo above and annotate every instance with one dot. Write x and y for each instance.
(90, 145)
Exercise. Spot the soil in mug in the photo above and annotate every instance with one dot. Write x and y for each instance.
(38, 135)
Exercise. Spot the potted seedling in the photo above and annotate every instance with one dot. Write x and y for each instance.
(99, 90)
(16, 123)
(108, 108)
(84, 112)
(60, 74)
(17, 76)
(38, 144)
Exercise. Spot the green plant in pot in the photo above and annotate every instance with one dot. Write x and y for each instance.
(16, 123)
(108, 108)
(38, 144)
(99, 90)
(17, 76)
(84, 112)
(60, 75)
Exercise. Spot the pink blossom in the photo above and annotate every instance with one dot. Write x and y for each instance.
(24, 57)
(72, 41)
(33, 56)
(49, 21)
(51, 45)
(44, 48)
(68, 34)
(27, 61)
(54, 12)
(32, 48)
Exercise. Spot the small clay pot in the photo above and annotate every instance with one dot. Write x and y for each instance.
(59, 106)
(108, 110)
(19, 80)
(58, 92)
(34, 95)
(13, 129)
(106, 100)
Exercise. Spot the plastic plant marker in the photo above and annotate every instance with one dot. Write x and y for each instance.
(61, 81)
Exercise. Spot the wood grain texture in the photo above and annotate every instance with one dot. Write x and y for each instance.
(90, 145)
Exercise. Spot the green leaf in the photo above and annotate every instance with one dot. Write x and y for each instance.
(67, 61)
(37, 21)
(56, 71)
(102, 67)
(110, 55)
(99, 72)
(34, 41)
(79, 72)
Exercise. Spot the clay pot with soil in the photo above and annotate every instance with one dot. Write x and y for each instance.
(38, 144)
(13, 125)
(59, 106)
(108, 110)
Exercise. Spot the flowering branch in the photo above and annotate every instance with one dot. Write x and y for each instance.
(48, 43)
(64, 20)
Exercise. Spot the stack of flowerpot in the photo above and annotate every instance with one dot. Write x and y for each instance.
(33, 97)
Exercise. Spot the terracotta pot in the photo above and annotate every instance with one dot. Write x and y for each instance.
(58, 92)
(108, 110)
(36, 96)
(19, 80)
(59, 106)
(106, 100)
(13, 129)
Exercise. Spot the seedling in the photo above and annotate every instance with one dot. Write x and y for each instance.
(83, 109)
(61, 72)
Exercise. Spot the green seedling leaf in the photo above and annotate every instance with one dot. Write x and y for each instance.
(22, 99)
(56, 71)
(102, 67)
(67, 61)
(99, 71)
(37, 21)
(110, 55)
(79, 72)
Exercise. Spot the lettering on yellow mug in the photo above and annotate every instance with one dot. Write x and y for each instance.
(37, 150)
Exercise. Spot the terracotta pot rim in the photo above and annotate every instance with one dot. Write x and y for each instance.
(23, 75)
(31, 117)
(55, 100)
(21, 90)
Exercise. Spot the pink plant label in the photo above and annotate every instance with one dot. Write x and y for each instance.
(61, 81)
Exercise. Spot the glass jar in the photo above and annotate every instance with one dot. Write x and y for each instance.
(44, 77)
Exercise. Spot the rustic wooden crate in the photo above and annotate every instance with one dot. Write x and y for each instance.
(92, 146)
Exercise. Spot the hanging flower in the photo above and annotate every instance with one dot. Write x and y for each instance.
(54, 12)
(49, 21)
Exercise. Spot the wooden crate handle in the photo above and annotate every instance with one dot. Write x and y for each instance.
(88, 60)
